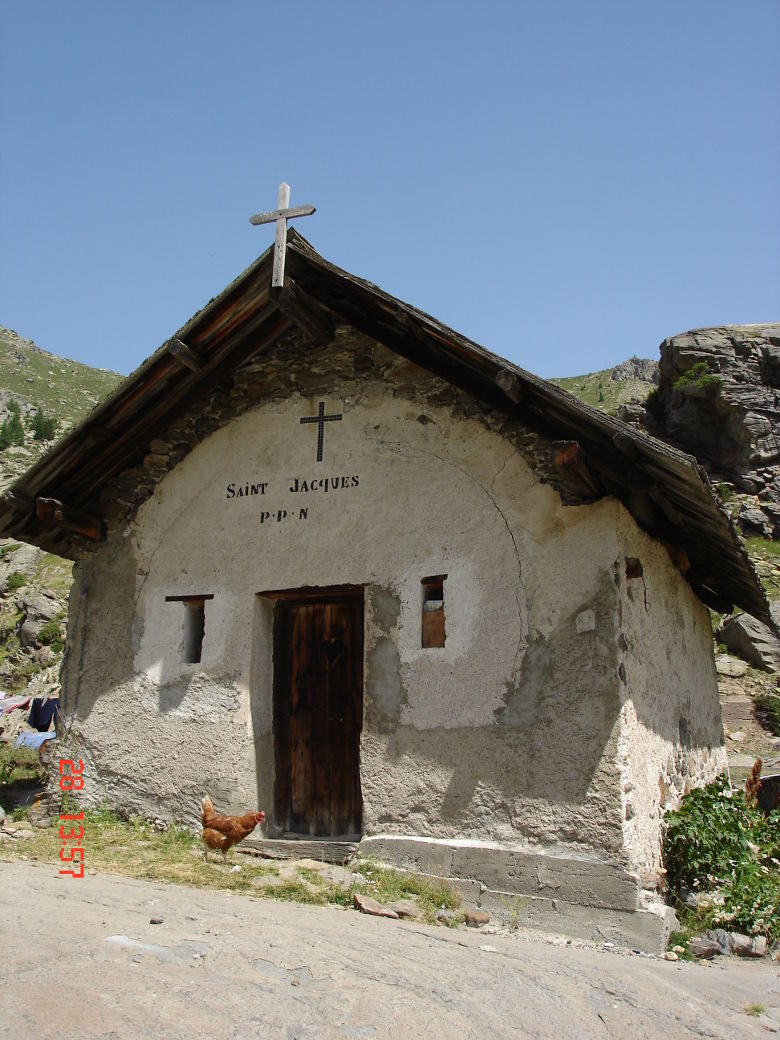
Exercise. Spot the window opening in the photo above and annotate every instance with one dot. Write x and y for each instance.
(433, 627)
(634, 567)
(194, 625)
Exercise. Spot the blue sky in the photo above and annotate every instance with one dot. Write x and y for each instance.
(565, 182)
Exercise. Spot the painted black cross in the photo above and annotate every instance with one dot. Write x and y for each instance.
(320, 418)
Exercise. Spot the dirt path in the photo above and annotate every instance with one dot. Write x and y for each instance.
(80, 959)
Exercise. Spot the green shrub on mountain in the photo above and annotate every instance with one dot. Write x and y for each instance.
(698, 378)
(12, 431)
(43, 426)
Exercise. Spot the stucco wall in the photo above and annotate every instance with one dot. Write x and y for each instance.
(509, 733)
(671, 731)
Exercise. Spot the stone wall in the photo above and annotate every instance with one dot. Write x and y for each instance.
(671, 734)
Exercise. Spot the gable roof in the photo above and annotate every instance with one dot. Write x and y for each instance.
(594, 455)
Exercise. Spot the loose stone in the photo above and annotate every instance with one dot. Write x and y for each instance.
(367, 905)
(746, 945)
(704, 948)
(407, 909)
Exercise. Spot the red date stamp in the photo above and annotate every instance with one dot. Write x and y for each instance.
(72, 851)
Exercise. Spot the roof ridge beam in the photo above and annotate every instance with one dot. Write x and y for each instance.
(295, 303)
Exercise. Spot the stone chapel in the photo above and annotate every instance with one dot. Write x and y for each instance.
(336, 561)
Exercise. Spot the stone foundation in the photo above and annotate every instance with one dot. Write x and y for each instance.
(575, 895)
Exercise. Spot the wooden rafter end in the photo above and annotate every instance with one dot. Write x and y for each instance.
(52, 511)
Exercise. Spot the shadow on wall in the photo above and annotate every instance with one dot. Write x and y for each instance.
(105, 589)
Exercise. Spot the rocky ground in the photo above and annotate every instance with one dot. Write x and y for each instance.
(746, 738)
(34, 588)
(120, 958)
(747, 658)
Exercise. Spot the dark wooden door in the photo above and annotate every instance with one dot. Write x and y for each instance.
(318, 715)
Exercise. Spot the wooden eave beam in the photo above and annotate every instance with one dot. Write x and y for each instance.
(545, 412)
(66, 468)
(510, 384)
(52, 511)
(409, 335)
(153, 401)
(601, 475)
(569, 459)
(157, 415)
(100, 433)
(185, 354)
(720, 604)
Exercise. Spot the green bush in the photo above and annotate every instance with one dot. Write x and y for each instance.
(717, 844)
(16, 580)
(50, 634)
(43, 426)
(11, 432)
(767, 707)
(698, 378)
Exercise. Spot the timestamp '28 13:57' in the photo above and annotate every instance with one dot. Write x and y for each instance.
(72, 851)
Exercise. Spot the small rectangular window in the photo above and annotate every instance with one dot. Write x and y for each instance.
(194, 625)
(433, 629)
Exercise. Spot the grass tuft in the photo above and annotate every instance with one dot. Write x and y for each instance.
(20, 763)
(292, 891)
(755, 1010)
(137, 848)
(387, 886)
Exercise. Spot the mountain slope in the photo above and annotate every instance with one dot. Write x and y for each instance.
(607, 390)
(31, 378)
(34, 585)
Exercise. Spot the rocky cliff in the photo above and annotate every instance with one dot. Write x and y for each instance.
(718, 398)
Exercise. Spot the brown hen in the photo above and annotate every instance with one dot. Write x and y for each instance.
(221, 833)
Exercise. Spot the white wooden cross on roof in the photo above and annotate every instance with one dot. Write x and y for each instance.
(281, 216)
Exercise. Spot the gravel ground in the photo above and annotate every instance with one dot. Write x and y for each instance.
(81, 959)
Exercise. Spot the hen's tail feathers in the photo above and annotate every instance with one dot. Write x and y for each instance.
(206, 810)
